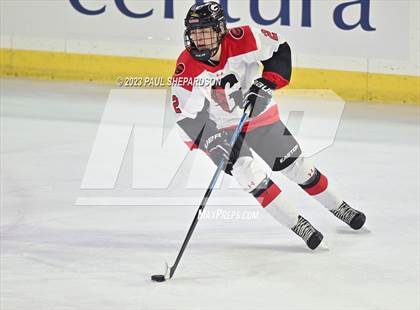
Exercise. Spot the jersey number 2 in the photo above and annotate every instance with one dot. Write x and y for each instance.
(175, 104)
(269, 34)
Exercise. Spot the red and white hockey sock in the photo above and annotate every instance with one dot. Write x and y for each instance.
(254, 180)
(318, 187)
(271, 198)
(312, 181)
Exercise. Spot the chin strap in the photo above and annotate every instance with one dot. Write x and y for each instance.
(202, 55)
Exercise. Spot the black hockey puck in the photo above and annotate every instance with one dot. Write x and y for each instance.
(158, 278)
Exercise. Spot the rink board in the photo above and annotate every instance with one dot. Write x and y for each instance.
(350, 85)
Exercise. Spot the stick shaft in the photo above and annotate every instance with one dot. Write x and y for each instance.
(207, 195)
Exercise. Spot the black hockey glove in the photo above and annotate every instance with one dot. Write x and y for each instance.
(258, 96)
(217, 147)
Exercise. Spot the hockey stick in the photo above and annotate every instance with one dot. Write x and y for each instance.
(171, 270)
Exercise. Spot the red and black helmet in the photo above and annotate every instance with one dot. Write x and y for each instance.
(209, 14)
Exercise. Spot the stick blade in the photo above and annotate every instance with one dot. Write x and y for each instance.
(162, 277)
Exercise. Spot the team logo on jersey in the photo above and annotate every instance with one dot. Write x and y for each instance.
(180, 68)
(218, 95)
(237, 33)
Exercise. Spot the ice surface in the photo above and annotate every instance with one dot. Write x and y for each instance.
(56, 254)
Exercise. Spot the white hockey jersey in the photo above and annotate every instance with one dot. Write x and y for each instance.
(198, 86)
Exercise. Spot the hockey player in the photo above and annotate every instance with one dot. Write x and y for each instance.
(209, 114)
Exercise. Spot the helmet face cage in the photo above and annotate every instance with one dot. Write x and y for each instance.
(208, 15)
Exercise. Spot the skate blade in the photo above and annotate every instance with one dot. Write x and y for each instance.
(365, 230)
(323, 246)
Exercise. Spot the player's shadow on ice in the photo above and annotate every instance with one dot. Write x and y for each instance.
(346, 231)
(273, 247)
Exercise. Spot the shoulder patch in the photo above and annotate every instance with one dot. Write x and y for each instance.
(180, 68)
(237, 33)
